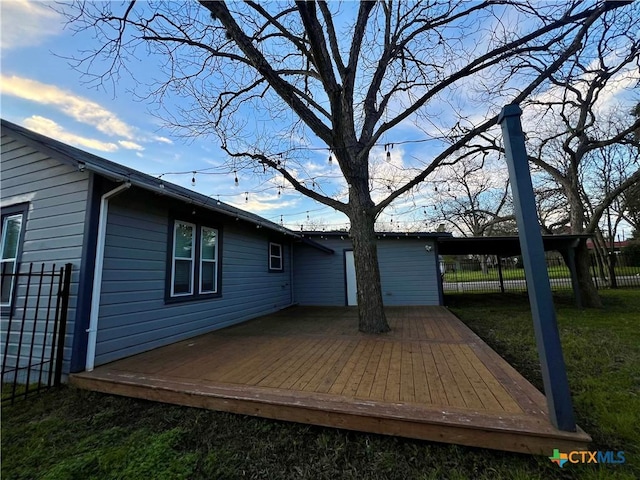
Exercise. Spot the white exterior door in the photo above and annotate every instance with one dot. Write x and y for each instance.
(350, 275)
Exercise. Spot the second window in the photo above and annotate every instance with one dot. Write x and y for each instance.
(194, 262)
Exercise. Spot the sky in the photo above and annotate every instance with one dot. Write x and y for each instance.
(41, 91)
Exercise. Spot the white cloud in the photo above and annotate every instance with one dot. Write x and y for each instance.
(27, 24)
(163, 140)
(609, 97)
(50, 128)
(624, 82)
(79, 108)
(130, 145)
(259, 203)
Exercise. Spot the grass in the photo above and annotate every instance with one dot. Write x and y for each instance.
(555, 271)
(69, 434)
(601, 349)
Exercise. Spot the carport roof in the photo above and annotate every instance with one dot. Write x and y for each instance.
(503, 246)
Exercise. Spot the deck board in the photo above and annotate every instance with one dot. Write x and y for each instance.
(431, 378)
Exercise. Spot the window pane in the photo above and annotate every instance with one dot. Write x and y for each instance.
(183, 242)
(7, 279)
(209, 237)
(276, 250)
(276, 263)
(208, 282)
(182, 277)
(11, 235)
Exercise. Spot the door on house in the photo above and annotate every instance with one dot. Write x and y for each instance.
(350, 276)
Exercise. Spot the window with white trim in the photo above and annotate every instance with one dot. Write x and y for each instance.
(194, 261)
(10, 249)
(208, 260)
(183, 259)
(276, 263)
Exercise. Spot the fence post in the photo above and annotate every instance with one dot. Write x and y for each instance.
(500, 273)
(612, 269)
(63, 322)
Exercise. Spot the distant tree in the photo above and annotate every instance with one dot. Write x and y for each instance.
(630, 206)
(474, 199)
(260, 75)
(578, 142)
(632, 253)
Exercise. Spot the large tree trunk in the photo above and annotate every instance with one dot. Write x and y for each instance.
(588, 291)
(372, 318)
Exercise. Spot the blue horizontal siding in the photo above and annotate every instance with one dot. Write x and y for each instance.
(133, 314)
(319, 276)
(54, 230)
(408, 273)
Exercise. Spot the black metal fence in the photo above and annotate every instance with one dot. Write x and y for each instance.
(33, 327)
(494, 274)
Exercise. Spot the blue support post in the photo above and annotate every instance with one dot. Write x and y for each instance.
(554, 373)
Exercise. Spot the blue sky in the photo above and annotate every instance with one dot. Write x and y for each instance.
(41, 91)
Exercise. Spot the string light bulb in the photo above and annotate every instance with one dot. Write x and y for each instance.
(388, 148)
(193, 179)
(235, 172)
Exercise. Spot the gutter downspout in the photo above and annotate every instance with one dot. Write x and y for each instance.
(97, 274)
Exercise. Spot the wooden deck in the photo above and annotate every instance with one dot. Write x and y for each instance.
(430, 378)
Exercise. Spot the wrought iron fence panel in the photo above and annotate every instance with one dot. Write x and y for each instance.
(32, 329)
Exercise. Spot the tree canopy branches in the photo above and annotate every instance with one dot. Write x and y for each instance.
(347, 90)
(269, 79)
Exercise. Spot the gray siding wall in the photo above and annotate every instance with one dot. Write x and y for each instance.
(57, 196)
(133, 314)
(407, 271)
(318, 277)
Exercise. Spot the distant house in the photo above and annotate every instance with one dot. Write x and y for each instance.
(154, 263)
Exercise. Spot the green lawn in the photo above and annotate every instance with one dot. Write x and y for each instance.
(71, 434)
(555, 271)
(507, 274)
